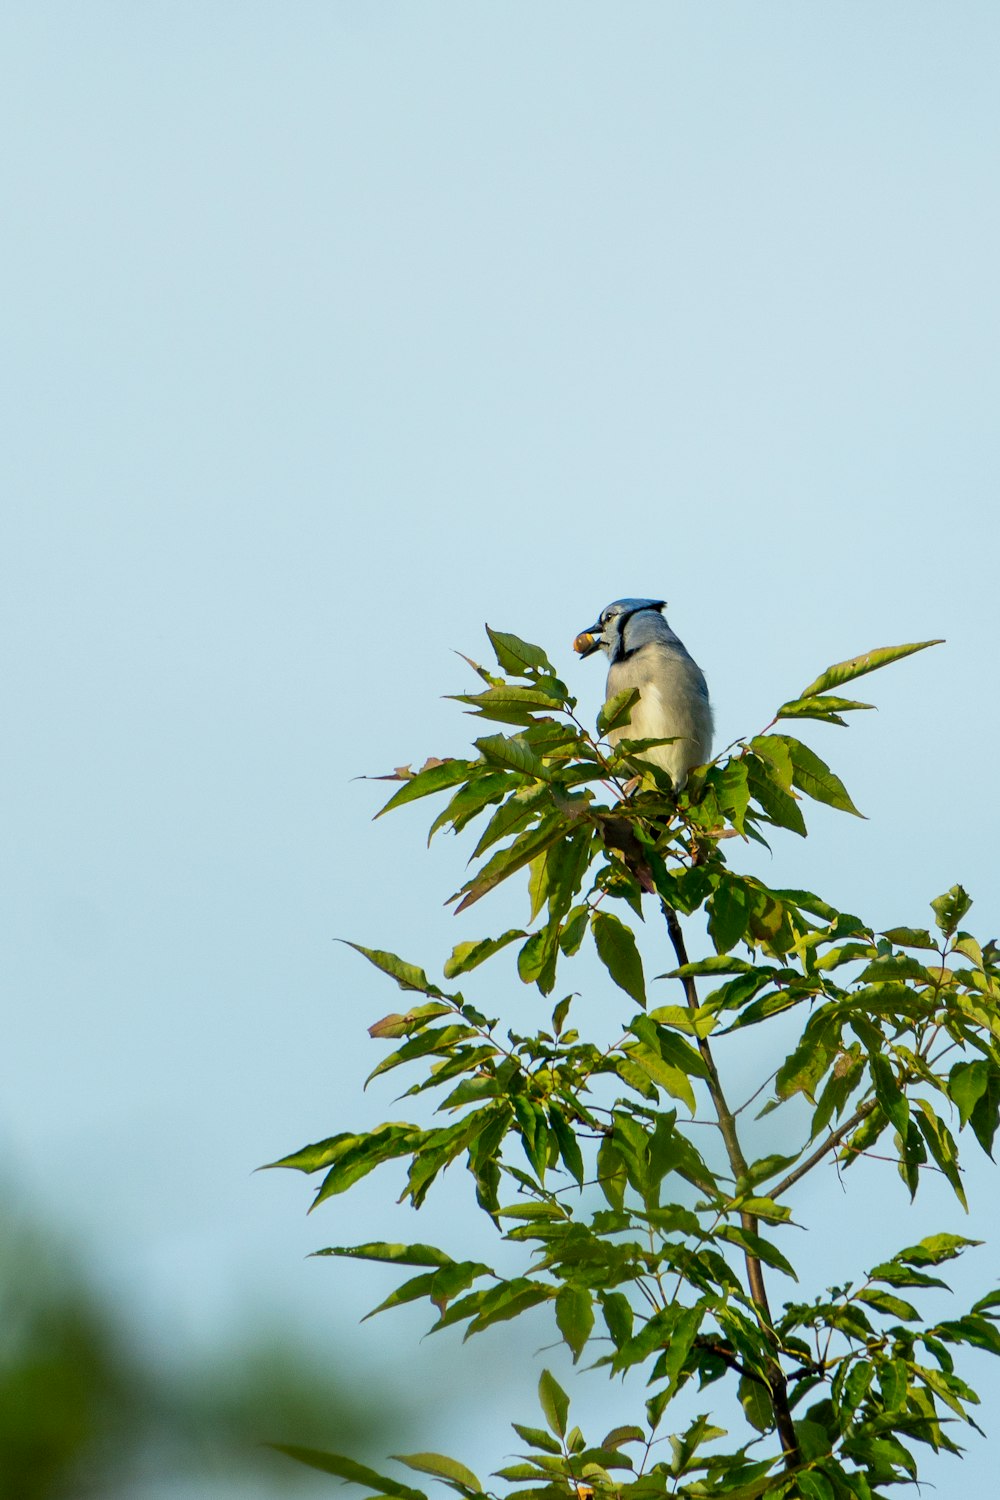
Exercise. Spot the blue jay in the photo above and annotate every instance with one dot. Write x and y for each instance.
(644, 653)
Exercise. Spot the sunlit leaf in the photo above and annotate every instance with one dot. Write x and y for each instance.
(617, 710)
(858, 666)
(617, 949)
(755, 1400)
(950, 908)
(825, 707)
(967, 1083)
(814, 777)
(405, 1255)
(554, 1403)
(514, 752)
(346, 1468)
(468, 956)
(575, 1317)
(441, 1467)
(508, 861)
(406, 975)
(885, 1302)
(514, 655)
(425, 782)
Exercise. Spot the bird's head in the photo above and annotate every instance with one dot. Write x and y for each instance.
(607, 633)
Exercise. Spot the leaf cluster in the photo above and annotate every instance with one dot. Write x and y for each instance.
(653, 1245)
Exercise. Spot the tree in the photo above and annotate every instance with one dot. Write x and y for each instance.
(655, 1250)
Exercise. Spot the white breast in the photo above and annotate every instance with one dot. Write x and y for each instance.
(671, 705)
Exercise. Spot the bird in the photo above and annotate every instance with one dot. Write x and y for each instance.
(643, 652)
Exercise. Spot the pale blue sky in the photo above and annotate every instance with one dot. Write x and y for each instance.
(330, 332)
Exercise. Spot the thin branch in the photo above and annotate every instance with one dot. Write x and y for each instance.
(756, 1094)
(738, 1163)
(831, 1143)
(712, 1346)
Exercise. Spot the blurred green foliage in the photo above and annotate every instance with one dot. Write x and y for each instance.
(86, 1409)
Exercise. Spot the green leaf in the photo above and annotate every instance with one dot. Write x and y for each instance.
(967, 1083)
(466, 956)
(986, 1114)
(514, 655)
(666, 1075)
(617, 711)
(611, 1175)
(729, 914)
(910, 937)
(522, 807)
(673, 1049)
(515, 753)
(826, 708)
(566, 864)
(969, 948)
(618, 1316)
(619, 1435)
(440, 1286)
(950, 908)
(733, 791)
(858, 666)
(509, 705)
(569, 1148)
(320, 1154)
(814, 777)
(756, 1246)
(531, 1469)
(801, 1072)
(365, 1154)
(765, 1208)
(767, 1166)
(346, 1468)
(403, 1255)
(554, 1403)
(756, 1404)
(941, 1145)
(439, 1147)
(425, 782)
(536, 1437)
(888, 1093)
(813, 1485)
(439, 1040)
(507, 862)
(814, 1440)
(575, 1317)
(935, 1249)
(772, 749)
(508, 1301)
(572, 934)
(893, 1273)
(617, 949)
(765, 780)
(394, 1026)
(885, 1302)
(893, 1379)
(485, 788)
(407, 976)
(534, 1132)
(442, 1467)
(856, 1387)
